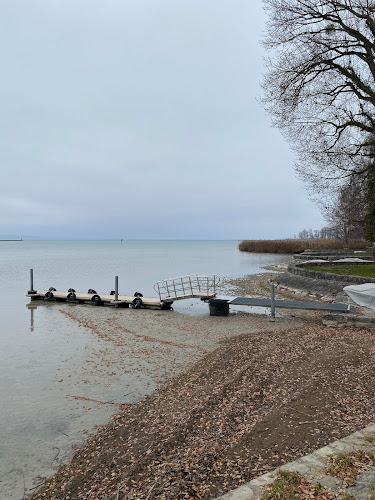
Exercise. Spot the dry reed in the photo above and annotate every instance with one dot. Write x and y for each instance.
(299, 245)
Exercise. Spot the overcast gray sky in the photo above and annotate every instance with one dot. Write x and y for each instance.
(139, 119)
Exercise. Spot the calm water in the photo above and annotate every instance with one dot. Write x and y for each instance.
(43, 354)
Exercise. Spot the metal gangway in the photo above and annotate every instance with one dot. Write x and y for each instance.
(184, 287)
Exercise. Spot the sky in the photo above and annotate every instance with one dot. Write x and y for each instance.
(140, 119)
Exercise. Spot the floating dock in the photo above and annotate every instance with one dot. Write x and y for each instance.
(183, 287)
(98, 299)
(168, 291)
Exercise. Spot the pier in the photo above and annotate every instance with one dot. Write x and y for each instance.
(180, 288)
(168, 291)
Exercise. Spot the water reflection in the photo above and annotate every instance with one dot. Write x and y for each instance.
(31, 307)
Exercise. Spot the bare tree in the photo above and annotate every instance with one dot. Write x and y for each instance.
(328, 232)
(370, 200)
(304, 234)
(320, 85)
(325, 232)
(347, 211)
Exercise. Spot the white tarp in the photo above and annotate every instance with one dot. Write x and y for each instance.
(363, 295)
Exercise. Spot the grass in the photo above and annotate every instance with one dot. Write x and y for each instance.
(291, 486)
(298, 245)
(286, 486)
(341, 463)
(348, 466)
(366, 270)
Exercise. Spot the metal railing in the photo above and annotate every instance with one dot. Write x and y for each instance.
(187, 286)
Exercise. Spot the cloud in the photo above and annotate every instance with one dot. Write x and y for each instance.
(141, 118)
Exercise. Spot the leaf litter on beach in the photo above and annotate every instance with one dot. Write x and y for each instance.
(257, 402)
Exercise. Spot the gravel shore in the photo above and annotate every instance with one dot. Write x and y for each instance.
(253, 394)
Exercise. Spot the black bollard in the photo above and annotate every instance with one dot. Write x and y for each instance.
(218, 307)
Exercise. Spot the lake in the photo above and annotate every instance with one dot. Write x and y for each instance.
(62, 374)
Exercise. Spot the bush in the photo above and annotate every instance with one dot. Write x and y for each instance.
(298, 245)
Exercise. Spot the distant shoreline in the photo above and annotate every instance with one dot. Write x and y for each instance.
(12, 240)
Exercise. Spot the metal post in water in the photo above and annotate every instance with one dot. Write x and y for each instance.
(116, 288)
(32, 281)
(272, 301)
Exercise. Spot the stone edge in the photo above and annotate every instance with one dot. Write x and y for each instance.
(309, 465)
(298, 270)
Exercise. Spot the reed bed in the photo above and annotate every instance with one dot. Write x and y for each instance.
(299, 245)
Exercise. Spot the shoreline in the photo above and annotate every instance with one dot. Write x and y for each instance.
(58, 380)
(132, 353)
(243, 408)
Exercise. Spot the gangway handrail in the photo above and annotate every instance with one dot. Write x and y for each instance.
(191, 285)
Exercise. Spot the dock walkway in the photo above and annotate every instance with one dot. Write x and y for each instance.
(293, 304)
(169, 290)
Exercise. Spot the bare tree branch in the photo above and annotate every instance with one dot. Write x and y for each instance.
(320, 85)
